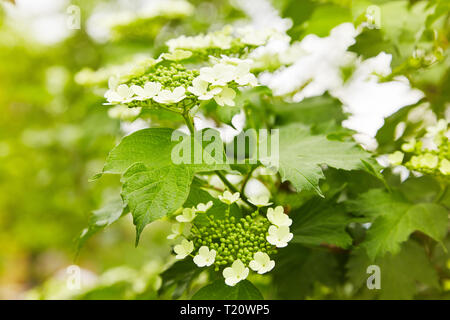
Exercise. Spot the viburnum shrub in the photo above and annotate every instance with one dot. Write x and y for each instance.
(324, 192)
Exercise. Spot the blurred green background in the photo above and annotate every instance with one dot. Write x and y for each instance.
(55, 135)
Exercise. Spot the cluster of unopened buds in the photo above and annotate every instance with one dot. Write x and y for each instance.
(169, 82)
(426, 160)
(232, 244)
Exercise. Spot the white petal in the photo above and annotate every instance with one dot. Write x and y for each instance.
(254, 265)
(138, 90)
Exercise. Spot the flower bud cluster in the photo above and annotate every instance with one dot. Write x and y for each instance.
(234, 238)
(231, 243)
(171, 85)
(164, 83)
(417, 157)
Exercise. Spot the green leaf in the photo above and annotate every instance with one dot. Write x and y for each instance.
(101, 218)
(386, 139)
(179, 275)
(403, 24)
(318, 222)
(154, 193)
(322, 112)
(396, 219)
(399, 273)
(325, 18)
(151, 147)
(198, 195)
(154, 147)
(421, 189)
(218, 290)
(156, 185)
(302, 154)
(370, 43)
(298, 269)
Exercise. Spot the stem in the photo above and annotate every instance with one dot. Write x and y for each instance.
(247, 178)
(226, 182)
(441, 195)
(190, 125)
(189, 122)
(232, 187)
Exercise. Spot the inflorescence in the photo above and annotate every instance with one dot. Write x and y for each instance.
(232, 244)
(428, 159)
(169, 84)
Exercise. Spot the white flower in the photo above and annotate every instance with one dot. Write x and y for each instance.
(200, 89)
(190, 43)
(122, 112)
(225, 97)
(235, 273)
(122, 93)
(243, 76)
(433, 131)
(261, 201)
(221, 41)
(229, 197)
(278, 217)
(205, 257)
(444, 167)
(218, 75)
(187, 216)
(428, 160)
(179, 229)
(409, 146)
(251, 36)
(233, 61)
(261, 263)
(184, 249)
(168, 97)
(149, 90)
(176, 43)
(113, 82)
(202, 208)
(279, 236)
(177, 55)
(396, 158)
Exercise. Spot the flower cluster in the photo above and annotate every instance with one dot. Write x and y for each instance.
(136, 66)
(231, 243)
(162, 83)
(142, 21)
(221, 39)
(217, 81)
(428, 159)
(228, 41)
(169, 82)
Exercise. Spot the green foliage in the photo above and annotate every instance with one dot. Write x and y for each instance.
(295, 262)
(153, 147)
(153, 194)
(394, 219)
(324, 113)
(322, 222)
(401, 273)
(301, 155)
(153, 186)
(102, 218)
(331, 210)
(179, 276)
